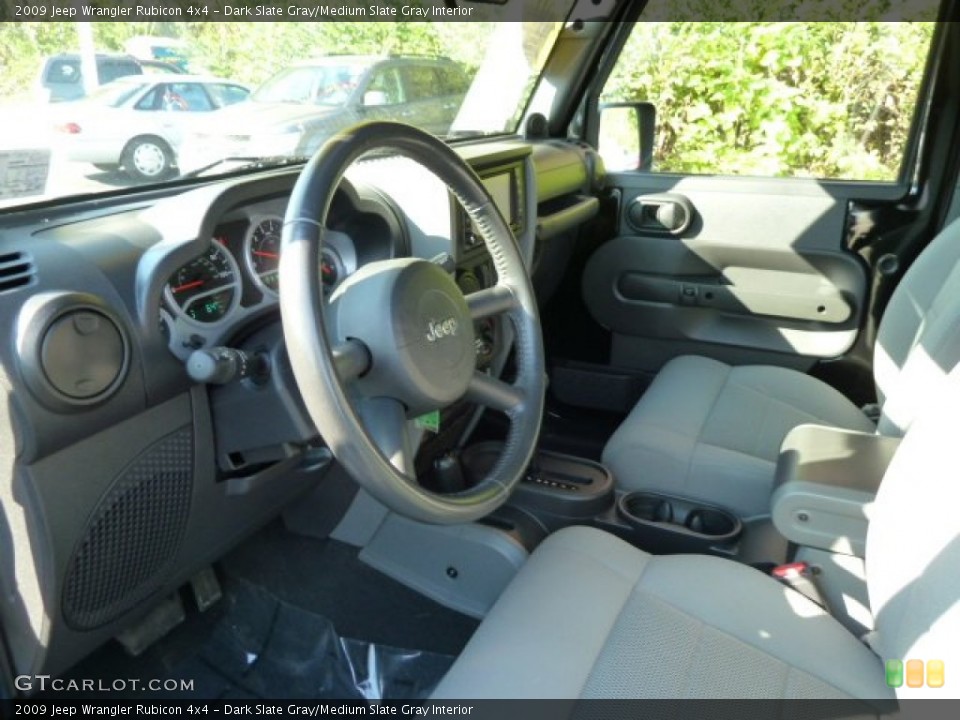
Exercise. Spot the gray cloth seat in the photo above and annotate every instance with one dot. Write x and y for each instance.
(712, 432)
(589, 616)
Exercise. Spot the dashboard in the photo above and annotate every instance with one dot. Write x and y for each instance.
(114, 457)
(208, 299)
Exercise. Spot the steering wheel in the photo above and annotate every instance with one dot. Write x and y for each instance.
(396, 338)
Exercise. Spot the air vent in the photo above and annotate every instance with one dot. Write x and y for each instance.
(16, 270)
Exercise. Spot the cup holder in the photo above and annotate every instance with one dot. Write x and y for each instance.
(647, 507)
(710, 522)
(673, 524)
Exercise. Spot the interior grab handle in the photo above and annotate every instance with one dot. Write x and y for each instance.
(664, 213)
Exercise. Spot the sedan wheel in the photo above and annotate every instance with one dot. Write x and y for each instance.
(147, 158)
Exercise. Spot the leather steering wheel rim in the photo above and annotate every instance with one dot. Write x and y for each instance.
(327, 355)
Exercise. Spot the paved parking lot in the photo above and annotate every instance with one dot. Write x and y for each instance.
(26, 125)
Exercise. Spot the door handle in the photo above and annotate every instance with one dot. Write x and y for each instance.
(664, 212)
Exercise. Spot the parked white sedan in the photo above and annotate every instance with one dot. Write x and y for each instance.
(136, 122)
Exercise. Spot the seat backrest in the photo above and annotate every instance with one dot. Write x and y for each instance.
(918, 341)
(913, 545)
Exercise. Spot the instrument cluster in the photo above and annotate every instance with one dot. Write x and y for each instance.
(238, 276)
(210, 288)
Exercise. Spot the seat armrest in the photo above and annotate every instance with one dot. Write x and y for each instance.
(826, 481)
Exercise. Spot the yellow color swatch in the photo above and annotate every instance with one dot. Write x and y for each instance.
(935, 673)
(914, 673)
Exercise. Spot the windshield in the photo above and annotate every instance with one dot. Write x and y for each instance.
(306, 82)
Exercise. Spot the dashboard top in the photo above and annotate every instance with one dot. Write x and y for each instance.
(196, 267)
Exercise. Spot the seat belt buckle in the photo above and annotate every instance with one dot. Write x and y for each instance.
(790, 570)
(803, 578)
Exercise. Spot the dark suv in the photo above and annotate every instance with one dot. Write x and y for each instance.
(298, 108)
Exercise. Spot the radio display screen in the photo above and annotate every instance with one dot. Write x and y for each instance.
(503, 187)
(500, 188)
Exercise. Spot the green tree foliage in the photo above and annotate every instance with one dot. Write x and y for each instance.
(825, 99)
(829, 100)
(243, 51)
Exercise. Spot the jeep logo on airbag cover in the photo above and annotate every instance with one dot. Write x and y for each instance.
(414, 321)
(437, 330)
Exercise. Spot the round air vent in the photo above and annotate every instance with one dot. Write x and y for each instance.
(82, 353)
(73, 350)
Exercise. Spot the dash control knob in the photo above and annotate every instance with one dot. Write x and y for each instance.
(222, 365)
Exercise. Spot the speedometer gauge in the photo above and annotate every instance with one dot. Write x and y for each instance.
(206, 289)
(262, 250)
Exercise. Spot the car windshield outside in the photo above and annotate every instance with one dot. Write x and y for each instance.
(115, 94)
(320, 84)
(308, 81)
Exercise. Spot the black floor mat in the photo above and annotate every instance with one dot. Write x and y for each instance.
(326, 577)
(266, 648)
(260, 647)
(300, 618)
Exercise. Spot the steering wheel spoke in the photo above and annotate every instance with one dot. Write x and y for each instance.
(495, 394)
(352, 359)
(492, 301)
(386, 422)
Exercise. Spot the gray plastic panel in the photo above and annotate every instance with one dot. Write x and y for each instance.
(463, 567)
(71, 517)
(826, 480)
(843, 581)
(761, 268)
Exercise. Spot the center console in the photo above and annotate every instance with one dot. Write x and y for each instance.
(826, 481)
(560, 490)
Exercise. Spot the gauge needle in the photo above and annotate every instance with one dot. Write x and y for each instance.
(187, 286)
(261, 253)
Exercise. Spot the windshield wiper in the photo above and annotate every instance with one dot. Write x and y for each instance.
(247, 162)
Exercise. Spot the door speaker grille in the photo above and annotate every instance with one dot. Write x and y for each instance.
(133, 535)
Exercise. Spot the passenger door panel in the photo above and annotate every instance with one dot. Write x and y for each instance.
(760, 273)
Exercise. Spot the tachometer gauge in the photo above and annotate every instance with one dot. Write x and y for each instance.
(205, 290)
(262, 250)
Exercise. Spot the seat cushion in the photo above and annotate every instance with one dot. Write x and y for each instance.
(591, 616)
(712, 432)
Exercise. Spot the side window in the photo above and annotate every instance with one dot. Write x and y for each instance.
(384, 88)
(110, 70)
(420, 82)
(453, 82)
(189, 97)
(820, 99)
(151, 101)
(224, 95)
(63, 71)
